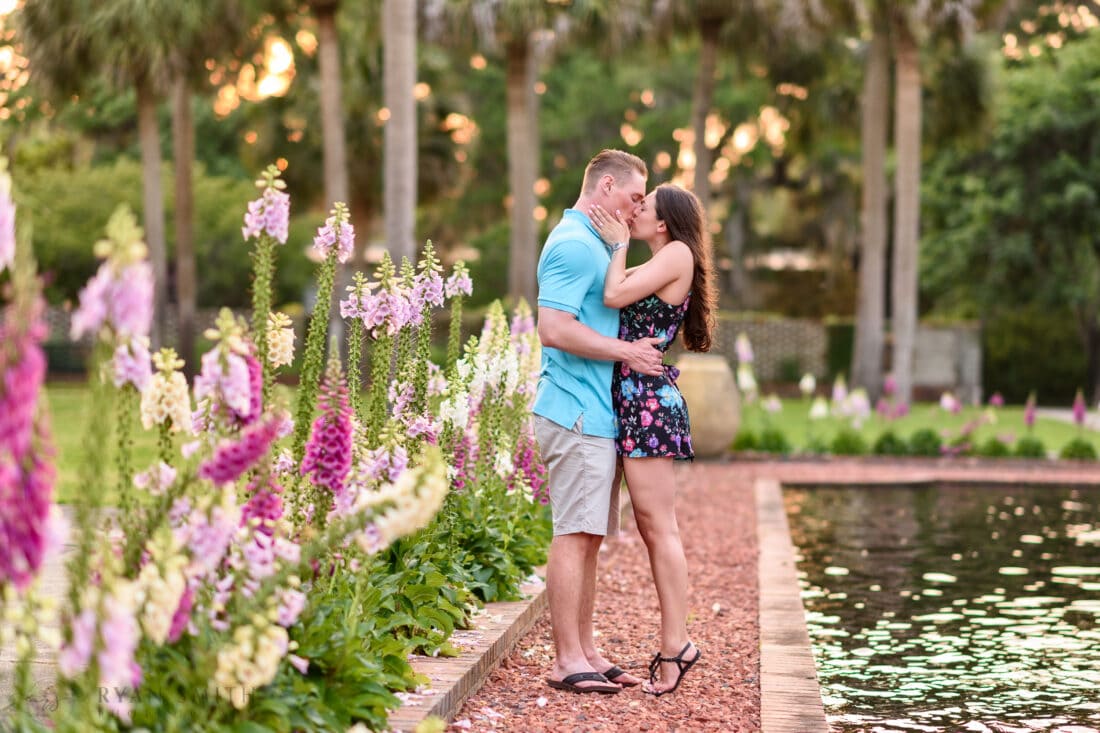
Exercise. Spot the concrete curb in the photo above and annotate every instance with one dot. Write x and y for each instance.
(790, 697)
(453, 679)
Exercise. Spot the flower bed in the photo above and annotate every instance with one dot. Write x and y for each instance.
(266, 572)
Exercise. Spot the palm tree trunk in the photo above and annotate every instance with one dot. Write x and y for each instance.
(332, 133)
(703, 98)
(399, 31)
(183, 144)
(870, 310)
(153, 204)
(737, 235)
(907, 142)
(522, 168)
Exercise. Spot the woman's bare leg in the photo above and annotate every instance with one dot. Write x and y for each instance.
(652, 485)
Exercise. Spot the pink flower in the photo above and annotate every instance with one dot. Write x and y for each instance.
(227, 378)
(996, 400)
(269, 214)
(647, 418)
(122, 300)
(1029, 411)
(889, 385)
(75, 655)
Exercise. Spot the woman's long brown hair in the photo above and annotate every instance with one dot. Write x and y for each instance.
(682, 214)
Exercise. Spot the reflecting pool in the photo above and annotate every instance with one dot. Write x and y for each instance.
(952, 608)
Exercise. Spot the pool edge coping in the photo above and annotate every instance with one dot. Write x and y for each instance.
(790, 696)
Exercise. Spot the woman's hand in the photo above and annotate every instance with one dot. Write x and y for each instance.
(611, 228)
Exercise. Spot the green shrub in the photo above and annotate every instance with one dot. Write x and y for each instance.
(840, 337)
(816, 445)
(772, 440)
(790, 369)
(889, 444)
(745, 440)
(848, 442)
(69, 208)
(925, 442)
(1078, 449)
(1010, 340)
(1030, 447)
(994, 447)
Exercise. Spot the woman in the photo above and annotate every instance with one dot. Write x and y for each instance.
(673, 289)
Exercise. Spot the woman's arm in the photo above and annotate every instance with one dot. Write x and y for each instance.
(623, 287)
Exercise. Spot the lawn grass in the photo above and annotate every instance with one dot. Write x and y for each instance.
(68, 403)
(1008, 425)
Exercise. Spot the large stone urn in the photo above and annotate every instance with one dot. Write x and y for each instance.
(714, 405)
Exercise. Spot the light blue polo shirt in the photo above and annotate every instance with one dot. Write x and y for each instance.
(571, 275)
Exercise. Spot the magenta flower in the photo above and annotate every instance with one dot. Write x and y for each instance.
(328, 452)
(1029, 411)
(889, 385)
(269, 214)
(266, 506)
(1079, 408)
(182, 617)
(75, 655)
(996, 400)
(233, 457)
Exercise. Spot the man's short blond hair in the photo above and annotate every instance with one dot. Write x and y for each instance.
(617, 163)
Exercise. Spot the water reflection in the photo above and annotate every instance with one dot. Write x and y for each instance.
(953, 608)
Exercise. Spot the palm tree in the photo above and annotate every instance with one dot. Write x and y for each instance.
(70, 41)
(204, 29)
(521, 32)
(399, 197)
(332, 111)
(874, 124)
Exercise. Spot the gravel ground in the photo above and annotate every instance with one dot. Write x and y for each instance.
(722, 693)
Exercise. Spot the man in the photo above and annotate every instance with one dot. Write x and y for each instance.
(574, 420)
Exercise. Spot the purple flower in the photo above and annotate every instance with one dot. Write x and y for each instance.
(428, 289)
(328, 452)
(291, 603)
(121, 299)
(233, 457)
(75, 655)
(232, 379)
(459, 283)
(1079, 408)
(269, 214)
(335, 233)
(132, 363)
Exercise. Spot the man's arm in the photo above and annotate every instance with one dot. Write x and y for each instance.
(561, 330)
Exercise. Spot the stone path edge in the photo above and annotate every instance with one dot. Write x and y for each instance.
(790, 697)
(453, 679)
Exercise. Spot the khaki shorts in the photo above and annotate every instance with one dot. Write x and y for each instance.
(581, 471)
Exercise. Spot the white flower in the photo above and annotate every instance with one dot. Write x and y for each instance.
(807, 384)
(746, 381)
(819, 409)
(743, 348)
(772, 404)
(280, 340)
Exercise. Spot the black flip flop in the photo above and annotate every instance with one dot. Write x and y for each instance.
(569, 684)
(615, 673)
(683, 664)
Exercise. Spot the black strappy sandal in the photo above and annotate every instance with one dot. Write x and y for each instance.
(681, 663)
